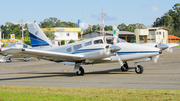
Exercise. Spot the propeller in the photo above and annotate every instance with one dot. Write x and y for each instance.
(157, 56)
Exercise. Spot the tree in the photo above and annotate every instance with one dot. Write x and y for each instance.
(108, 28)
(130, 27)
(122, 27)
(55, 22)
(10, 28)
(28, 42)
(171, 20)
(71, 41)
(62, 42)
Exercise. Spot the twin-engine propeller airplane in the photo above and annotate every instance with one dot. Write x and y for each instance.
(92, 51)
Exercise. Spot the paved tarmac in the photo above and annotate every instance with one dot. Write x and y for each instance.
(165, 74)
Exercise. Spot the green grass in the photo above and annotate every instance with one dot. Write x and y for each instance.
(177, 46)
(18, 93)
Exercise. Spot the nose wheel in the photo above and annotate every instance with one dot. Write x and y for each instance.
(80, 72)
(139, 69)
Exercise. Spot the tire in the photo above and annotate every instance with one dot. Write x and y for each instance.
(139, 69)
(80, 72)
(125, 67)
(8, 60)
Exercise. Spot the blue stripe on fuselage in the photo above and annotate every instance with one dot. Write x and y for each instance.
(119, 53)
(86, 50)
(125, 53)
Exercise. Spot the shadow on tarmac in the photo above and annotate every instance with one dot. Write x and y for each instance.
(67, 74)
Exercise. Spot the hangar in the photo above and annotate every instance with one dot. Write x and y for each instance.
(128, 36)
(173, 39)
(154, 34)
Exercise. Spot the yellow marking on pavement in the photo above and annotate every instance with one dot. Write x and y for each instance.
(66, 70)
(172, 56)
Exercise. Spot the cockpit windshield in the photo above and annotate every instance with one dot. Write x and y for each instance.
(111, 40)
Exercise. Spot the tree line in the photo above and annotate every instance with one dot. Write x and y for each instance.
(171, 20)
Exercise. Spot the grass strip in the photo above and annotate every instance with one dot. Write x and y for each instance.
(18, 93)
(177, 46)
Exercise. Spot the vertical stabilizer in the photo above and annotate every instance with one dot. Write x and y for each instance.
(37, 36)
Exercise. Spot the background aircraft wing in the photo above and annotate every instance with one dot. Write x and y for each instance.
(172, 45)
(46, 54)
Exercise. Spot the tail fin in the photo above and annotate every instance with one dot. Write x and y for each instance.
(38, 38)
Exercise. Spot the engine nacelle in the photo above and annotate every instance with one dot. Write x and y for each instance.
(98, 54)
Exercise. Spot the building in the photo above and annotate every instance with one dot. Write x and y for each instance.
(155, 34)
(128, 36)
(173, 39)
(65, 34)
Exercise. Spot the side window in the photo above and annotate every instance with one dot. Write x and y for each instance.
(77, 46)
(109, 40)
(25, 46)
(88, 43)
(69, 49)
(98, 41)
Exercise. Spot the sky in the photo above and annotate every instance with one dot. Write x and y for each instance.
(117, 11)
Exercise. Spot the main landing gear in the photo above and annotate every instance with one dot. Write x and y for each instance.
(80, 72)
(8, 60)
(26, 59)
(78, 69)
(125, 67)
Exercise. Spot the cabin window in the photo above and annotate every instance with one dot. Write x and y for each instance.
(69, 49)
(88, 43)
(77, 46)
(98, 41)
(109, 40)
(25, 46)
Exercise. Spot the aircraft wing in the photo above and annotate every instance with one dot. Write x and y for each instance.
(172, 45)
(46, 54)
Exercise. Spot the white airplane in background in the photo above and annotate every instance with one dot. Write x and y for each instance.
(96, 50)
(9, 56)
(35, 43)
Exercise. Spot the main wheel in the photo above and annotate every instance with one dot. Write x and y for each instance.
(125, 67)
(8, 60)
(139, 69)
(80, 72)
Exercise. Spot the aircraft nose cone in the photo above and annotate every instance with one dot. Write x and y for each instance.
(114, 49)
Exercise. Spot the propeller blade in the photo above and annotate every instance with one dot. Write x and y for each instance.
(156, 58)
